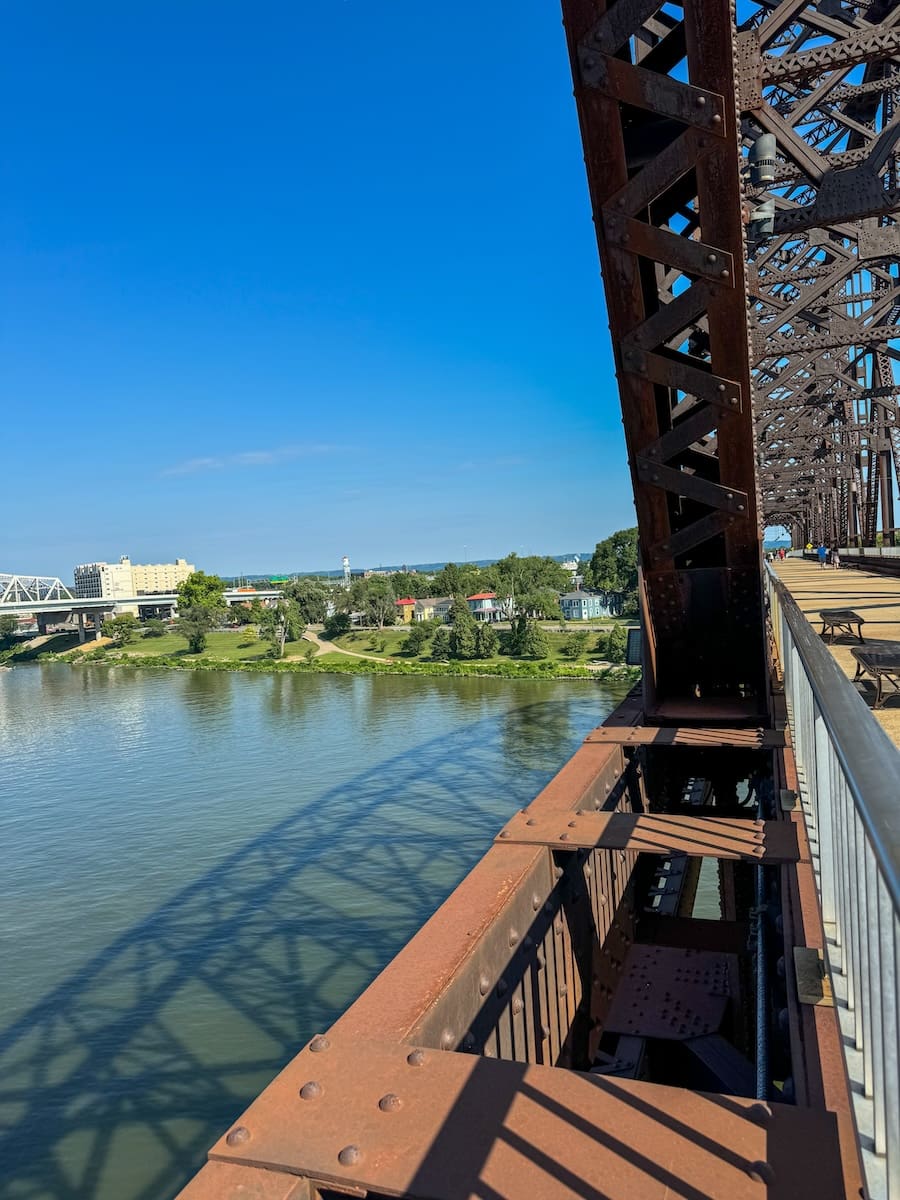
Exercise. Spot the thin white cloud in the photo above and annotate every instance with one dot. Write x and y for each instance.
(251, 458)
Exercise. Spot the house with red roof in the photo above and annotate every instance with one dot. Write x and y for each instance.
(405, 609)
(484, 607)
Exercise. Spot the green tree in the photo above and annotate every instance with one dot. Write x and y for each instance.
(250, 636)
(409, 583)
(337, 624)
(575, 644)
(617, 644)
(200, 590)
(310, 653)
(440, 646)
(122, 629)
(485, 641)
(154, 628)
(374, 597)
(417, 638)
(534, 641)
(613, 565)
(455, 580)
(282, 622)
(311, 598)
(194, 623)
(464, 630)
(9, 626)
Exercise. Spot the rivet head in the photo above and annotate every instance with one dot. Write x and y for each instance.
(448, 1039)
(319, 1043)
(484, 985)
(701, 102)
(535, 902)
(513, 937)
(563, 837)
(761, 1113)
(390, 1103)
(349, 1156)
(717, 120)
(531, 821)
(572, 824)
(733, 400)
(761, 1172)
(504, 833)
(517, 1006)
(238, 1136)
(720, 387)
(711, 258)
(724, 273)
(416, 1059)
(311, 1090)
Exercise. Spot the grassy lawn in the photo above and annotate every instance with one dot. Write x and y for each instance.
(229, 647)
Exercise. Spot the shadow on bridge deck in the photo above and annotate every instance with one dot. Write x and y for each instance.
(877, 600)
(102, 1090)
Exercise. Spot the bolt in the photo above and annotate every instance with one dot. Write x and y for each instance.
(319, 1043)
(349, 1156)
(416, 1059)
(238, 1136)
(390, 1102)
(311, 1090)
(761, 1172)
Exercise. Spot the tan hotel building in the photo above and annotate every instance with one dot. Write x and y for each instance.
(125, 578)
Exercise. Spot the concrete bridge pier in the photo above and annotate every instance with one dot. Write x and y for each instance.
(80, 628)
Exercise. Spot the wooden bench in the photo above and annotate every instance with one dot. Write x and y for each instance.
(841, 620)
(881, 660)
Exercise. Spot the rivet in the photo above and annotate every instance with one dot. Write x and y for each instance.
(720, 387)
(717, 120)
(557, 872)
(761, 1113)
(761, 1172)
(531, 821)
(724, 273)
(416, 1059)
(517, 1006)
(390, 1103)
(484, 985)
(535, 902)
(740, 508)
(700, 101)
(654, 477)
(349, 1156)
(572, 824)
(448, 1039)
(733, 400)
(238, 1136)
(564, 989)
(311, 1090)
(319, 1043)
(513, 937)
(711, 258)
(563, 837)
(504, 833)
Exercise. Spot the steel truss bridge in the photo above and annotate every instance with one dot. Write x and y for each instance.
(564, 1025)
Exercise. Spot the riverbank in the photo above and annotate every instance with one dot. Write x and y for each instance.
(339, 665)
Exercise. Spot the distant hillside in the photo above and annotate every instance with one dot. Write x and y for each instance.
(419, 568)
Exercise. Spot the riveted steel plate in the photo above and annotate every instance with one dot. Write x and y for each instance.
(672, 993)
(658, 833)
(649, 735)
(450, 1126)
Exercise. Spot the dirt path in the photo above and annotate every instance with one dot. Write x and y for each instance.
(331, 648)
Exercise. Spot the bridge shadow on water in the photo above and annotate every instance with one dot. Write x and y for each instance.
(116, 1082)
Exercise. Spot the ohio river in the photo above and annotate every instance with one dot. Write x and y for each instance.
(199, 870)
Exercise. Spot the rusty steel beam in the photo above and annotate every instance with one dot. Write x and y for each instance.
(658, 833)
(661, 151)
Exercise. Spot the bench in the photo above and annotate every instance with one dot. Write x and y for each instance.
(881, 660)
(841, 620)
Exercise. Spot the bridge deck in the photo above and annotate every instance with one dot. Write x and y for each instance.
(877, 600)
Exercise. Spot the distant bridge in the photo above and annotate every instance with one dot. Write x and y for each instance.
(46, 597)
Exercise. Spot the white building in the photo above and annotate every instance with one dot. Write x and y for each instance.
(151, 578)
(103, 580)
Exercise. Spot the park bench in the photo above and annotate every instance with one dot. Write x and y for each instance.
(841, 620)
(881, 660)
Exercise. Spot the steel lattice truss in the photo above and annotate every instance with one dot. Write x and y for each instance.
(825, 290)
(24, 589)
(755, 363)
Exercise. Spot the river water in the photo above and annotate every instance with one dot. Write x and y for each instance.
(199, 870)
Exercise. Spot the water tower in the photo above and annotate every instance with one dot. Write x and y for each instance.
(345, 561)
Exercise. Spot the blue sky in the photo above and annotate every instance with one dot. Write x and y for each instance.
(288, 281)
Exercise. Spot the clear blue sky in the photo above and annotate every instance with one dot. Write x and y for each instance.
(287, 281)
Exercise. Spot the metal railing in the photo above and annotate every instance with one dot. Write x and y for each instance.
(850, 787)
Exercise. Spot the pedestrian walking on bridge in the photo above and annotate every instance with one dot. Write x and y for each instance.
(822, 555)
